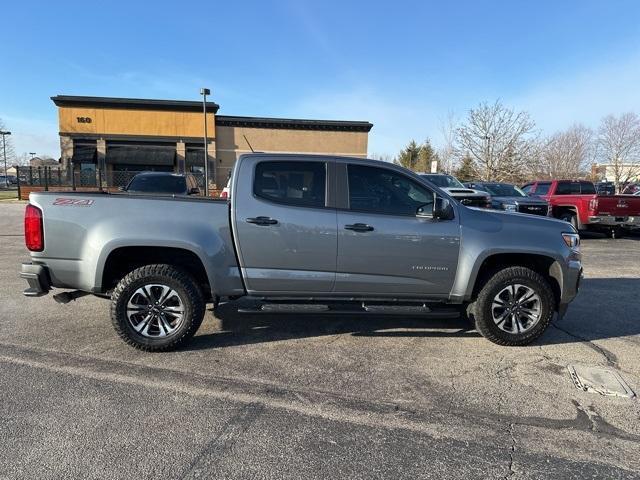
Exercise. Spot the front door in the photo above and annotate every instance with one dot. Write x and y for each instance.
(285, 230)
(383, 247)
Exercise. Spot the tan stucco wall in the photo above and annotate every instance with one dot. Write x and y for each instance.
(299, 141)
(226, 143)
(230, 143)
(112, 121)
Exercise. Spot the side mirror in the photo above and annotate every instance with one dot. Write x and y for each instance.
(422, 211)
(194, 191)
(442, 208)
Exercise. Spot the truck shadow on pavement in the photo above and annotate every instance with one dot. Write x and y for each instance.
(605, 308)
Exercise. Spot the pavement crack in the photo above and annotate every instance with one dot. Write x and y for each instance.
(609, 356)
(512, 451)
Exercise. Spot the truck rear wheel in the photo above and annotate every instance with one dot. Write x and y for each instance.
(514, 307)
(157, 307)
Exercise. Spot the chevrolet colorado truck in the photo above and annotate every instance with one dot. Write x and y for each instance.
(578, 203)
(349, 234)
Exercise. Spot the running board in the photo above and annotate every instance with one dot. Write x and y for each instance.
(422, 310)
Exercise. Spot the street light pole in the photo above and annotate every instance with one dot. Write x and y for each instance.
(204, 92)
(4, 150)
(487, 154)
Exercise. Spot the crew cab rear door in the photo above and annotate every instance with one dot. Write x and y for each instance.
(284, 224)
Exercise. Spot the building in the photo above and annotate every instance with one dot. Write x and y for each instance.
(43, 162)
(628, 172)
(128, 135)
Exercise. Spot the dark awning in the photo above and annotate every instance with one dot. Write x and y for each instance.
(194, 157)
(84, 154)
(141, 155)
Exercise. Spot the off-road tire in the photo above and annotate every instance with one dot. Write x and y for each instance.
(178, 280)
(481, 308)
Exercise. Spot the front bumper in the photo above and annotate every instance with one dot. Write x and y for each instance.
(37, 276)
(571, 285)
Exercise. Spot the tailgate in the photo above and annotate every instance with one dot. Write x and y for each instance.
(618, 205)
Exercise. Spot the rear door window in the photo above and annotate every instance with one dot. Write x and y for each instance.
(568, 188)
(293, 183)
(587, 188)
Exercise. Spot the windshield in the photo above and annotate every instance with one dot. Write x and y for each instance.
(503, 190)
(444, 181)
(158, 184)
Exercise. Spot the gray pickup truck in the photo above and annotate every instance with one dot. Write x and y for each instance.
(345, 233)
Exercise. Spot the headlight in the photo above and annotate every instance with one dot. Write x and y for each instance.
(510, 207)
(572, 240)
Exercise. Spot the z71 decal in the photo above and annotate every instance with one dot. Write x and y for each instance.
(73, 202)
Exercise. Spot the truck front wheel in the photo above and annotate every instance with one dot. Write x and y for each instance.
(514, 307)
(569, 217)
(157, 307)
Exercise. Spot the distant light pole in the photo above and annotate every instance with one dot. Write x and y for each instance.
(204, 92)
(33, 154)
(487, 154)
(4, 149)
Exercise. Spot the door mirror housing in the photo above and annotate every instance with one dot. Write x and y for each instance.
(442, 208)
(422, 212)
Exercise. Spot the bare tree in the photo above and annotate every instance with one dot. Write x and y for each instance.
(565, 154)
(500, 141)
(383, 157)
(447, 152)
(11, 153)
(618, 146)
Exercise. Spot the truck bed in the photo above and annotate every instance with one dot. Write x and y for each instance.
(95, 225)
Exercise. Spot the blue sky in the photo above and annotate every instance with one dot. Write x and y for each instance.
(401, 65)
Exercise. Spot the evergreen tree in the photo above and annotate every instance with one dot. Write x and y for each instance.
(426, 155)
(467, 169)
(408, 156)
(417, 157)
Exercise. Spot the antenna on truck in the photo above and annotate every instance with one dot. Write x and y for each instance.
(246, 140)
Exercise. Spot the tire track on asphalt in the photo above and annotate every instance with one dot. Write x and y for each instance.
(205, 462)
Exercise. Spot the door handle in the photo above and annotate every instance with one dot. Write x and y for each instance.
(262, 221)
(359, 227)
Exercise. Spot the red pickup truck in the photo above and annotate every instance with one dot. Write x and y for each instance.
(576, 201)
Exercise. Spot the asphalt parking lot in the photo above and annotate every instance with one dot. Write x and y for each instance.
(295, 396)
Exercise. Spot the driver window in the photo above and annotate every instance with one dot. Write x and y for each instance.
(379, 190)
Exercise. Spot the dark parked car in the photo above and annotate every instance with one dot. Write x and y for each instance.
(605, 188)
(455, 188)
(510, 198)
(163, 183)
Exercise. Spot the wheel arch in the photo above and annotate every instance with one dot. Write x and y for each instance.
(558, 210)
(546, 265)
(116, 262)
